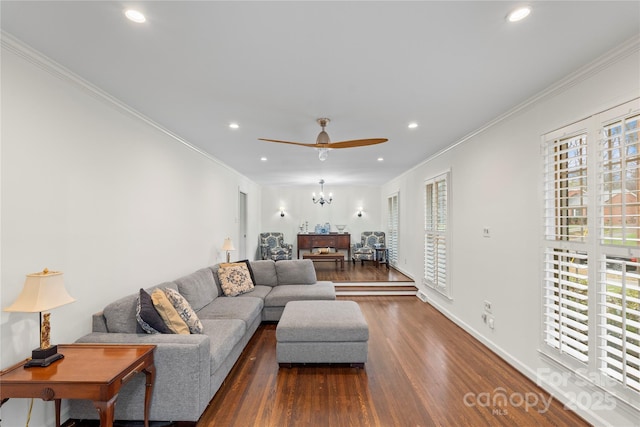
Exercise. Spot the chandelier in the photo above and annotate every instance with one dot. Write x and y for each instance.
(321, 199)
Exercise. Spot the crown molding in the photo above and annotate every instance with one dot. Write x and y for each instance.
(624, 50)
(14, 45)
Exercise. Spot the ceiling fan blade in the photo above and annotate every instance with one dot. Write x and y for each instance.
(290, 142)
(356, 143)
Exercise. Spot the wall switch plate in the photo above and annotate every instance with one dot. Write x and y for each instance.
(487, 307)
(486, 232)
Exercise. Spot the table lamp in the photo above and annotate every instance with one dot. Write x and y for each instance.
(41, 292)
(228, 246)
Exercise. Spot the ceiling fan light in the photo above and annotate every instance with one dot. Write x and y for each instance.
(323, 154)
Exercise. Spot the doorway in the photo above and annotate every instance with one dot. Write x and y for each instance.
(242, 220)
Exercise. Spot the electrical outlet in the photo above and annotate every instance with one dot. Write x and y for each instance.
(486, 232)
(491, 322)
(487, 306)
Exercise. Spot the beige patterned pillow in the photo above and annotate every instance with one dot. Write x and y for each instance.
(235, 279)
(184, 310)
(168, 313)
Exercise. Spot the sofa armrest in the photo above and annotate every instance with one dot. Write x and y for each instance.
(264, 251)
(182, 386)
(98, 322)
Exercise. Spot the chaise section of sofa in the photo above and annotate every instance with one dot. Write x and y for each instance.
(190, 368)
(283, 281)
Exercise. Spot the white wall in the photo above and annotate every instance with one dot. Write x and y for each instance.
(496, 183)
(299, 208)
(113, 202)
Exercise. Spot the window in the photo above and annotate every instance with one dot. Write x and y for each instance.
(436, 234)
(591, 273)
(619, 238)
(566, 294)
(392, 229)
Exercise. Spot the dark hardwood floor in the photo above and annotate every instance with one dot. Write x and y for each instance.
(358, 273)
(423, 370)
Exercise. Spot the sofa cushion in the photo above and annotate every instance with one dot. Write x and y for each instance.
(168, 313)
(148, 317)
(281, 295)
(234, 279)
(264, 272)
(295, 272)
(258, 291)
(120, 315)
(199, 288)
(223, 335)
(184, 310)
(248, 263)
(245, 309)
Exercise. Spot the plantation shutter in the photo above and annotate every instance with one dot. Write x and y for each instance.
(619, 280)
(566, 316)
(392, 229)
(436, 240)
(566, 264)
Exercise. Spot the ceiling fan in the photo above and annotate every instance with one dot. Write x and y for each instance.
(323, 144)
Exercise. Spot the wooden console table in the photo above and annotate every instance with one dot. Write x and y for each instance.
(87, 371)
(332, 240)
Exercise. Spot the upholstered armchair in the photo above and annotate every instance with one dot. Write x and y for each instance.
(364, 251)
(272, 246)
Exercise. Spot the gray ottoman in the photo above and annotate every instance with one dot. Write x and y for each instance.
(322, 332)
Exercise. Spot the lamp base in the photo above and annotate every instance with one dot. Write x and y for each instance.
(42, 357)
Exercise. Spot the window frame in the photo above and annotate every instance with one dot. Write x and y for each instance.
(603, 261)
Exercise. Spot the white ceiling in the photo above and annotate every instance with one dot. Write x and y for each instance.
(274, 67)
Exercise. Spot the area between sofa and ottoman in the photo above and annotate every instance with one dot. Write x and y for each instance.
(322, 332)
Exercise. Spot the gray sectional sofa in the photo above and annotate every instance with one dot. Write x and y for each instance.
(191, 368)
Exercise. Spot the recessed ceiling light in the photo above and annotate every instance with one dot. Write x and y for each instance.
(135, 16)
(263, 159)
(519, 14)
(412, 125)
(380, 159)
(234, 125)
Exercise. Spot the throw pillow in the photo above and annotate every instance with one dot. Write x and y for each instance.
(148, 317)
(185, 311)
(168, 313)
(248, 263)
(235, 279)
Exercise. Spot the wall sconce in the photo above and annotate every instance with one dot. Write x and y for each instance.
(359, 212)
(281, 211)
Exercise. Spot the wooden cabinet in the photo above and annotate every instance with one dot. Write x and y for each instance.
(331, 240)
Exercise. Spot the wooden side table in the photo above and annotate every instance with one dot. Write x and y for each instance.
(88, 371)
(382, 256)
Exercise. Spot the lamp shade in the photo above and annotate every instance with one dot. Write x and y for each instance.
(42, 291)
(228, 245)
